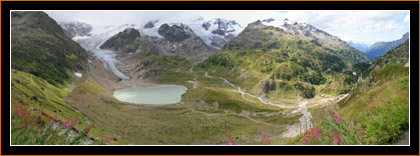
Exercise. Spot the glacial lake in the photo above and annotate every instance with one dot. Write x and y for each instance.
(162, 94)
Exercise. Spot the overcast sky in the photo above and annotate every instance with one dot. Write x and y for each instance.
(359, 26)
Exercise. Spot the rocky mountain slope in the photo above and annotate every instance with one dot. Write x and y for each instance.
(380, 48)
(41, 47)
(176, 40)
(215, 32)
(287, 60)
(123, 41)
(73, 29)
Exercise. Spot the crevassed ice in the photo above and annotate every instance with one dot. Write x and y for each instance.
(98, 37)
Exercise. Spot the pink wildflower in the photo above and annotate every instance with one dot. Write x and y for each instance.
(268, 141)
(265, 138)
(26, 117)
(38, 127)
(338, 136)
(52, 122)
(88, 129)
(354, 120)
(262, 136)
(73, 123)
(110, 138)
(314, 132)
(362, 131)
(336, 118)
(337, 140)
(37, 117)
(65, 124)
(305, 139)
(17, 112)
(233, 143)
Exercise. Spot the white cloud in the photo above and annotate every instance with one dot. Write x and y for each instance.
(407, 18)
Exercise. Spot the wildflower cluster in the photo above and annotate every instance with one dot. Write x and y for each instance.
(335, 130)
(39, 129)
(336, 139)
(231, 141)
(265, 138)
(311, 136)
(345, 132)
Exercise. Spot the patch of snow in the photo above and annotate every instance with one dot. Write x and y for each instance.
(232, 28)
(78, 74)
(75, 38)
(282, 23)
(153, 32)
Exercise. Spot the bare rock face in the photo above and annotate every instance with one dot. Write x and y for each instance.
(173, 33)
(123, 41)
(150, 24)
(218, 41)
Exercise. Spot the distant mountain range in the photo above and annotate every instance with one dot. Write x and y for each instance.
(359, 46)
(380, 48)
(399, 55)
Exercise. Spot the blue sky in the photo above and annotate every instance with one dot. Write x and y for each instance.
(362, 26)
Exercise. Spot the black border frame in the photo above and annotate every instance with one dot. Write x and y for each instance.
(6, 6)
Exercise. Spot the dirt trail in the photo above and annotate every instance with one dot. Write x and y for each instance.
(305, 120)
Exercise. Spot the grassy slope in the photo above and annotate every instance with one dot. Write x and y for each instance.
(40, 47)
(266, 54)
(380, 103)
(384, 106)
(29, 91)
(168, 124)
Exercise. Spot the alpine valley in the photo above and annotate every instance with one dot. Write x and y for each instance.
(202, 82)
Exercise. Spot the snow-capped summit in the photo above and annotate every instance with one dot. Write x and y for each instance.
(215, 32)
(304, 30)
(295, 27)
(73, 29)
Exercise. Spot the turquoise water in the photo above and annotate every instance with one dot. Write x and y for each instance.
(162, 94)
